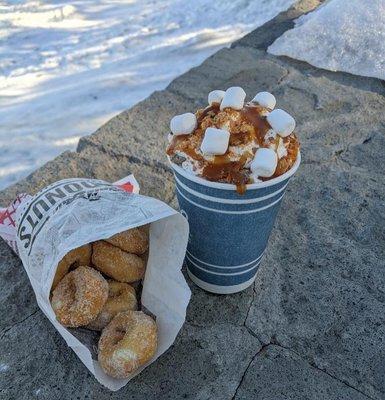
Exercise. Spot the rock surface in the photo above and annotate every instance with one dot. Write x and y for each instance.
(312, 327)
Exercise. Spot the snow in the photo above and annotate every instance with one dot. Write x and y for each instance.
(341, 35)
(65, 69)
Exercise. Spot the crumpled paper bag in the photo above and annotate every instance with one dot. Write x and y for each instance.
(70, 213)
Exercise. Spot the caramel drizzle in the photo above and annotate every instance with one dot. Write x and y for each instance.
(251, 114)
(222, 169)
(213, 108)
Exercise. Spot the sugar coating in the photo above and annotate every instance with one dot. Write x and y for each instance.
(116, 263)
(121, 297)
(128, 342)
(79, 297)
(132, 241)
(123, 355)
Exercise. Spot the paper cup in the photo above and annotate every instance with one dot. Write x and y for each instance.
(228, 231)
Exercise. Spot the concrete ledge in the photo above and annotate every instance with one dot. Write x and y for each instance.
(312, 326)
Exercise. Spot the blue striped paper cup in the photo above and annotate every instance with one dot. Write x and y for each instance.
(228, 231)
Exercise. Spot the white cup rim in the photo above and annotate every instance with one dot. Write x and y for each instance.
(229, 186)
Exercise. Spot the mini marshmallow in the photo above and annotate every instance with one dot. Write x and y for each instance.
(216, 96)
(265, 99)
(234, 98)
(264, 163)
(282, 122)
(255, 178)
(183, 124)
(215, 141)
(281, 149)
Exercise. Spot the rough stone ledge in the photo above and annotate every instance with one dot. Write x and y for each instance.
(288, 370)
(320, 290)
(213, 360)
(237, 387)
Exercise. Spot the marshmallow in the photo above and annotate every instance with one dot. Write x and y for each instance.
(282, 122)
(215, 141)
(264, 163)
(216, 96)
(234, 98)
(183, 124)
(281, 149)
(255, 178)
(265, 99)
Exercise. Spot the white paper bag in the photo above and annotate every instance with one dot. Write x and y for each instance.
(72, 212)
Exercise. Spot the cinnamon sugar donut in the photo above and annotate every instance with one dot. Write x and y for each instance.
(76, 257)
(133, 241)
(116, 263)
(121, 297)
(127, 342)
(79, 297)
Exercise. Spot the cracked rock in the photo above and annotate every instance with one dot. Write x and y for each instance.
(203, 363)
(293, 379)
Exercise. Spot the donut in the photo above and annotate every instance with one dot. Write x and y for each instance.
(132, 241)
(79, 297)
(121, 297)
(126, 343)
(76, 257)
(116, 263)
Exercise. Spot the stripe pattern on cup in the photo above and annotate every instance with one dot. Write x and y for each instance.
(228, 231)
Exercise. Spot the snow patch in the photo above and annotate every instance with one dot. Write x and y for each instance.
(341, 35)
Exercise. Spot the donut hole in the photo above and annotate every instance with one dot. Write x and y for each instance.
(71, 291)
(119, 334)
(116, 294)
(73, 266)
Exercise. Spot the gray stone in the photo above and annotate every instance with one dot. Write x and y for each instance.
(94, 162)
(207, 309)
(242, 66)
(319, 299)
(17, 300)
(278, 373)
(324, 293)
(204, 363)
(140, 134)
